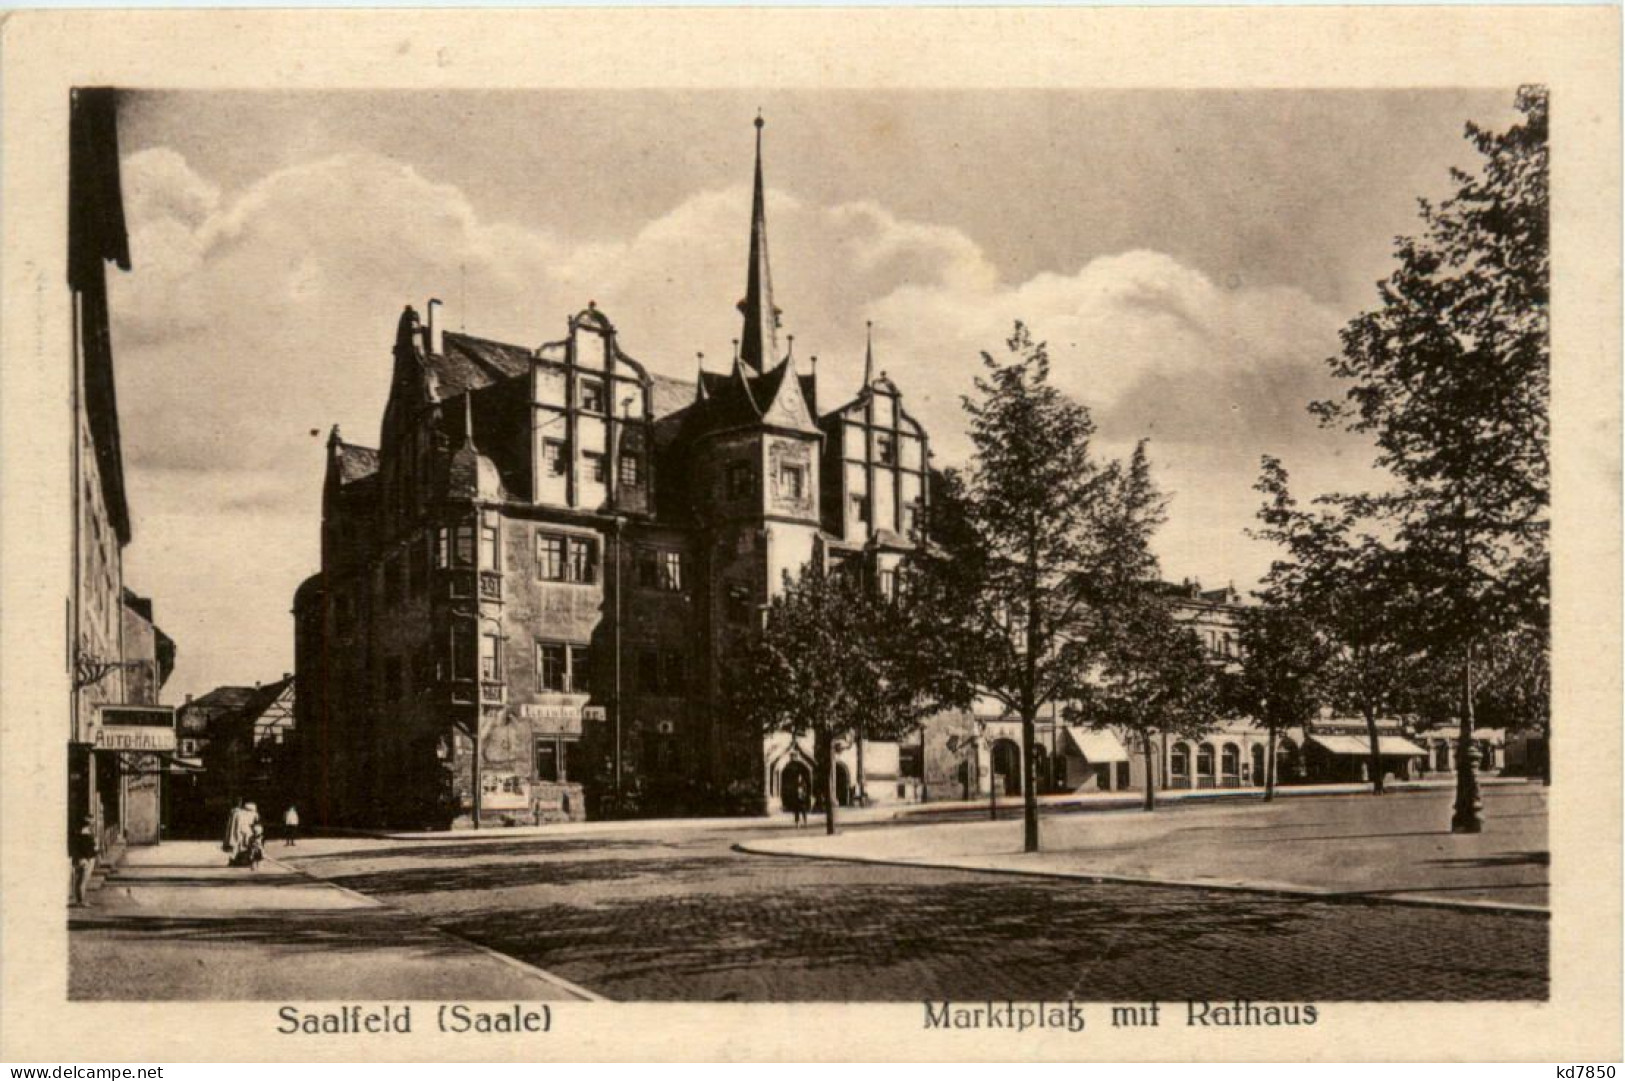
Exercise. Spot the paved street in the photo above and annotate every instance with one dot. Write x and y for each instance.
(173, 922)
(684, 916)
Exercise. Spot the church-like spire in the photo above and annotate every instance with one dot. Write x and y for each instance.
(759, 348)
(869, 353)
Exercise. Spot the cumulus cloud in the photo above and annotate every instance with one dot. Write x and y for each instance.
(253, 317)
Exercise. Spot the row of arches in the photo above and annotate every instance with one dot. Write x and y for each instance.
(1226, 765)
(798, 777)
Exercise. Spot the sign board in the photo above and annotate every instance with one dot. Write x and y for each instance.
(134, 728)
(553, 718)
(503, 792)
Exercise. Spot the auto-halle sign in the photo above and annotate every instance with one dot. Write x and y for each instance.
(134, 728)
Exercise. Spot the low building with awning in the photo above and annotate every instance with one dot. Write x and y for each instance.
(1338, 749)
(1091, 759)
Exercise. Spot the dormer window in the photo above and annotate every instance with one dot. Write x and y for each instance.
(554, 459)
(592, 396)
(885, 449)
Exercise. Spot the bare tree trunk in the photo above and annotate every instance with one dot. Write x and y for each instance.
(862, 798)
(828, 740)
(1377, 788)
(1269, 764)
(1150, 775)
(1467, 817)
(1029, 789)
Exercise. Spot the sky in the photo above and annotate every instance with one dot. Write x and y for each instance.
(1189, 257)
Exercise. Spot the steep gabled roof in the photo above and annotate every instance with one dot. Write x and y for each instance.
(356, 462)
(469, 363)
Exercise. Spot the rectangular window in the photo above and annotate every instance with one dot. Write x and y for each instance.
(462, 652)
(674, 678)
(581, 565)
(552, 667)
(462, 549)
(792, 481)
(649, 671)
(580, 669)
(888, 584)
(490, 657)
(648, 568)
(550, 557)
(547, 760)
(555, 462)
(490, 558)
(860, 508)
(594, 461)
(442, 548)
(629, 470)
(885, 449)
(671, 571)
(741, 480)
(592, 396)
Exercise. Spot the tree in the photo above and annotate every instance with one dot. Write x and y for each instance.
(830, 661)
(1154, 679)
(1451, 377)
(1350, 587)
(1033, 541)
(1285, 660)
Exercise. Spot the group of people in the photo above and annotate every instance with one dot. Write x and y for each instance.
(245, 834)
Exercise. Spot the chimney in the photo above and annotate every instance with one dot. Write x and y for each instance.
(437, 331)
(188, 699)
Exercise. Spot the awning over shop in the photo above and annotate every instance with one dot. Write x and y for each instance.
(1396, 746)
(1095, 746)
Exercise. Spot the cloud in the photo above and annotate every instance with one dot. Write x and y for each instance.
(254, 316)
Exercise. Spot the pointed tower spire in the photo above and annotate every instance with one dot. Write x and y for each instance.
(468, 417)
(699, 378)
(760, 345)
(869, 353)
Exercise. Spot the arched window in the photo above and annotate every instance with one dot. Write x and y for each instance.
(1230, 764)
(1204, 766)
(1179, 766)
(1258, 763)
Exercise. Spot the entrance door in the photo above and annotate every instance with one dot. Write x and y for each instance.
(795, 777)
(843, 786)
(1007, 766)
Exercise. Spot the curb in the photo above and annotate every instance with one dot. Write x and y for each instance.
(1297, 893)
(513, 962)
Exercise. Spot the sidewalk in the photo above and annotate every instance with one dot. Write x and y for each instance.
(173, 922)
(1009, 807)
(1394, 848)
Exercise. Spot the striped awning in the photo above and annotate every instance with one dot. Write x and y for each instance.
(1095, 745)
(1397, 746)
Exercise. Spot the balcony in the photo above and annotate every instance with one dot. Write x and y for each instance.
(493, 692)
(490, 586)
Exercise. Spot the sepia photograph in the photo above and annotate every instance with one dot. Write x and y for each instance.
(1023, 553)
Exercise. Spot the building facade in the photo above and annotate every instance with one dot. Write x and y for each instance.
(116, 655)
(530, 589)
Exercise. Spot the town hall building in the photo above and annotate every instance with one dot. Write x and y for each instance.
(531, 587)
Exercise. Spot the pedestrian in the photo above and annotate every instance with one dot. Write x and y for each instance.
(82, 849)
(256, 845)
(801, 802)
(238, 831)
(290, 826)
